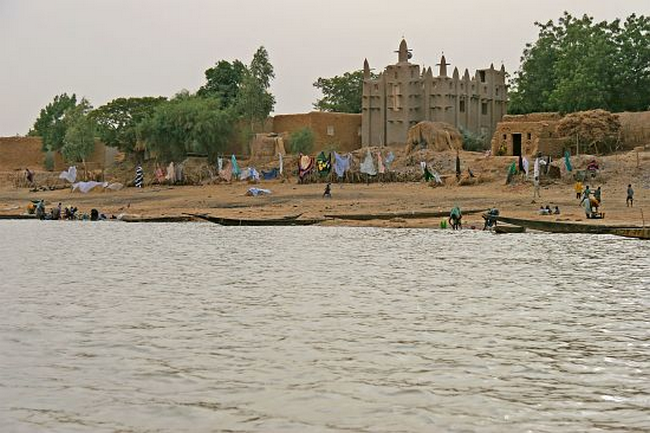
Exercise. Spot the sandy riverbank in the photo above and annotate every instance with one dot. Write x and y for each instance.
(288, 197)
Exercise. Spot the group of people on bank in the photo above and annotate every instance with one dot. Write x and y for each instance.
(58, 212)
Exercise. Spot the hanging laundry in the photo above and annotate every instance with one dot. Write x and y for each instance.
(324, 164)
(341, 164)
(219, 164)
(437, 177)
(160, 175)
(305, 164)
(226, 173)
(139, 177)
(235, 167)
(567, 160)
(427, 174)
(380, 164)
(70, 174)
(389, 160)
(526, 165)
(269, 175)
(368, 165)
(171, 173)
(249, 173)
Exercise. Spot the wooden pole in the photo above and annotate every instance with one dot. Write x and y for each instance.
(577, 146)
(642, 218)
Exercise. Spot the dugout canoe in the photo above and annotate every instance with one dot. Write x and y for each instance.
(566, 227)
(509, 229)
(405, 215)
(285, 221)
(17, 217)
(157, 219)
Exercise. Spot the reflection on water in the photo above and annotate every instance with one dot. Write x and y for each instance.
(113, 327)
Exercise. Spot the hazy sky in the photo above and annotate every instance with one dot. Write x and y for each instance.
(103, 49)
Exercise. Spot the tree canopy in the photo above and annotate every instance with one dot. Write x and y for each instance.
(341, 93)
(187, 124)
(50, 124)
(233, 94)
(223, 81)
(79, 139)
(580, 64)
(117, 120)
(255, 102)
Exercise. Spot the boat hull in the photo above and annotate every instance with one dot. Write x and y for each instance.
(259, 222)
(404, 215)
(564, 227)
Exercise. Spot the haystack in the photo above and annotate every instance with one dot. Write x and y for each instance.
(597, 129)
(437, 136)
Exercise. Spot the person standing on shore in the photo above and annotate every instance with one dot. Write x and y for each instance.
(598, 196)
(629, 201)
(538, 161)
(578, 189)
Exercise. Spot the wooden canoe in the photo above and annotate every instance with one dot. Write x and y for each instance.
(405, 215)
(509, 229)
(566, 227)
(286, 221)
(17, 217)
(157, 219)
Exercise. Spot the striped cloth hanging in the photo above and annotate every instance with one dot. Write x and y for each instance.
(139, 177)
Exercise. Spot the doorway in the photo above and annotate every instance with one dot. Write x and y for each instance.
(516, 144)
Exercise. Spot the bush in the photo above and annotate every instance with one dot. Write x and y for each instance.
(49, 161)
(302, 141)
(473, 142)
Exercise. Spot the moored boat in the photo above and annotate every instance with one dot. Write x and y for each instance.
(285, 221)
(404, 215)
(509, 229)
(568, 227)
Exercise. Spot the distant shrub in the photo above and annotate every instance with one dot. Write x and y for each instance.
(49, 161)
(302, 141)
(473, 142)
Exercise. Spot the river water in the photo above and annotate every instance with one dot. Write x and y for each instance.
(115, 327)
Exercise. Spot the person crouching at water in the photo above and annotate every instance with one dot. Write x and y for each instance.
(40, 210)
(455, 217)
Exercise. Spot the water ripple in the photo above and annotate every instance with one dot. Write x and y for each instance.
(195, 327)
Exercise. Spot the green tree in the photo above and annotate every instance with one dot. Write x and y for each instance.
(79, 140)
(302, 141)
(255, 102)
(223, 81)
(633, 65)
(579, 64)
(261, 68)
(117, 120)
(341, 93)
(585, 67)
(187, 124)
(50, 124)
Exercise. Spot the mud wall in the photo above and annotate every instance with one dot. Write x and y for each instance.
(332, 131)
